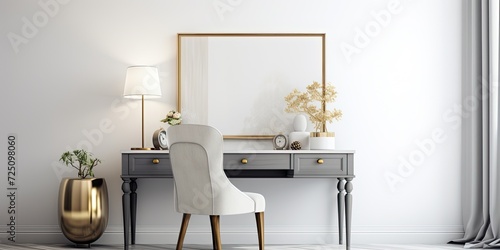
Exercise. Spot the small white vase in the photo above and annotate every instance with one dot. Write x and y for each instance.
(300, 123)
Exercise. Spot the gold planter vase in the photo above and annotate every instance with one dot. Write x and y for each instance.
(83, 209)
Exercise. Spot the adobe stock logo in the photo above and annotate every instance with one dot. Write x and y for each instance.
(425, 148)
(40, 19)
(224, 6)
(372, 29)
(453, 117)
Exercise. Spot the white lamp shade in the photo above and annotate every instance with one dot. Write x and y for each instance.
(142, 81)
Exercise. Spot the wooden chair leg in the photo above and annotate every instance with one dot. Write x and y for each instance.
(182, 233)
(215, 222)
(260, 228)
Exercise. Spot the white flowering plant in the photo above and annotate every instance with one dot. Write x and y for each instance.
(173, 118)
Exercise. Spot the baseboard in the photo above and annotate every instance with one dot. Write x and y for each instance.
(247, 235)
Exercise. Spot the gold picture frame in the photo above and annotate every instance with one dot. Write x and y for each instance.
(184, 81)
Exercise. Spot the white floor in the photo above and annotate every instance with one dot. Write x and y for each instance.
(235, 247)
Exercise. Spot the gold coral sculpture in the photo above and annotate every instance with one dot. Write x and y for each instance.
(305, 102)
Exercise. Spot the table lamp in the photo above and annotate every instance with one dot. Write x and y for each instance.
(142, 82)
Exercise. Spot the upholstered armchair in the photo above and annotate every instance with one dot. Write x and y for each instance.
(201, 186)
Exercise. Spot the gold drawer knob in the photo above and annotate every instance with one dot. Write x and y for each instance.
(320, 161)
(244, 161)
(156, 161)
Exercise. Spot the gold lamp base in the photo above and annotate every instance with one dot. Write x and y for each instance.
(141, 148)
(142, 130)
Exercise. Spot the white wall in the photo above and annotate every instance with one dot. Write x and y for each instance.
(396, 66)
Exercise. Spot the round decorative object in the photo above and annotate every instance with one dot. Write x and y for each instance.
(83, 209)
(160, 139)
(300, 123)
(280, 142)
(295, 145)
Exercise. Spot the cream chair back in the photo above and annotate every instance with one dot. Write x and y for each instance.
(201, 186)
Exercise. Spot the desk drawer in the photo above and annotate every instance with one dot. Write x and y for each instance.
(257, 161)
(150, 164)
(317, 165)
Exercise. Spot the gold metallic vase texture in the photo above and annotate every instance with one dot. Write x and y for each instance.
(83, 209)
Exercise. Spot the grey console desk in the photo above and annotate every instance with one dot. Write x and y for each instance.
(337, 164)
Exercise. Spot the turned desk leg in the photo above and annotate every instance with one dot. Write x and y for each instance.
(133, 207)
(126, 210)
(348, 211)
(340, 209)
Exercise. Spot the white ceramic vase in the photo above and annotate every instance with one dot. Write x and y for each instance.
(300, 123)
(300, 134)
(322, 140)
